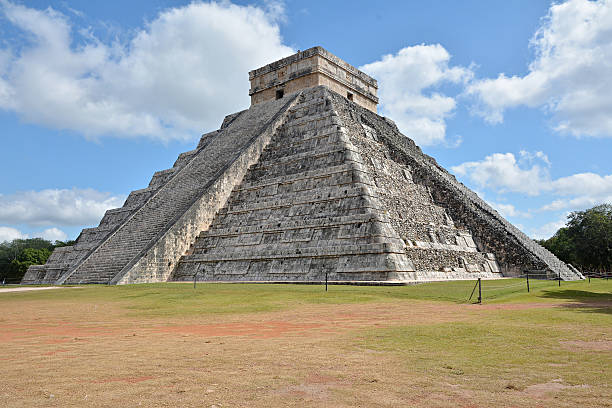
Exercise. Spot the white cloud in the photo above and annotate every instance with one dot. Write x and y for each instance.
(52, 234)
(549, 229)
(175, 77)
(508, 210)
(570, 75)
(9, 234)
(408, 81)
(56, 207)
(582, 184)
(505, 209)
(503, 173)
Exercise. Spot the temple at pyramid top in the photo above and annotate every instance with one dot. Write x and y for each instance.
(312, 67)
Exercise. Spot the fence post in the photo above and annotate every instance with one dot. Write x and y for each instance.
(479, 292)
(559, 274)
(527, 274)
(326, 281)
(195, 276)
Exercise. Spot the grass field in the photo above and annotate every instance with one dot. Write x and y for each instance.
(233, 345)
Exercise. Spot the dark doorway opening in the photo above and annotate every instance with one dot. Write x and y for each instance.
(280, 93)
(349, 96)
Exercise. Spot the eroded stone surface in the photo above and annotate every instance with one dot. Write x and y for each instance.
(291, 190)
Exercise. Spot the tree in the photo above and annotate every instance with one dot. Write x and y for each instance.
(562, 245)
(586, 240)
(16, 256)
(28, 257)
(592, 232)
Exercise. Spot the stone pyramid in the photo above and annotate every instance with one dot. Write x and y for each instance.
(308, 182)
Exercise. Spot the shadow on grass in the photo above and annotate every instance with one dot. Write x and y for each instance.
(584, 301)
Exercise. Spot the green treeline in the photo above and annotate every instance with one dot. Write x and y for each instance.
(17, 255)
(586, 239)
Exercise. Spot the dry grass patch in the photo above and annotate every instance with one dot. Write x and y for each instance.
(282, 345)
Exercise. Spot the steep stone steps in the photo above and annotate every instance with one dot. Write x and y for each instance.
(172, 199)
(305, 195)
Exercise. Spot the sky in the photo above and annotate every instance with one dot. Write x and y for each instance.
(513, 97)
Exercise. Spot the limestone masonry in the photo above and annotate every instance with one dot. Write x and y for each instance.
(308, 181)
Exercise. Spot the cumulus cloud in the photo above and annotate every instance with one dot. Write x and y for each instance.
(56, 207)
(570, 76)
(50, 234)
(549, 229)
(529, 174)
(505, 209)
(178, 75)
(409, 84)
(9, 234)
(509, 210)
(501, 171)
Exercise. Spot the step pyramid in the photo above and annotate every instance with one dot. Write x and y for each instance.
(300, 188)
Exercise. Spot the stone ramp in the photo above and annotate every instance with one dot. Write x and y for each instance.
(178, 191)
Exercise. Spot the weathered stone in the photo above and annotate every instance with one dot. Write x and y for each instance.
(294, 189)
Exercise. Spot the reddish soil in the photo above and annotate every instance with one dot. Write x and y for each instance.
(67, 355)
(264, 330)
(129, 380)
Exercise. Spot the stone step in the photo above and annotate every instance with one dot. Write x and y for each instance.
(304, 175)
(177, 195)
(293, 139)
(323, 207)
(293, 213)
(233, 246)
(274, 253)
(284, 225)
(300, 197)
(288, 147)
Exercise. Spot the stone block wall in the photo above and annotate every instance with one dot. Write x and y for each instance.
(514, 251)
(313, 67)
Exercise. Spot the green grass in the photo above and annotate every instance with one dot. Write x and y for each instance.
(167, 299)
(520, 353)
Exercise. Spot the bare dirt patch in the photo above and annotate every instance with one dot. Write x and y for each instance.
(306, 356)
(551, 387)
(28, 289)
(580, 345)
(264, 330)
(129, 380)
(517, 306)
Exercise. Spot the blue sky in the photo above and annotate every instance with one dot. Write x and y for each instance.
(515, 98)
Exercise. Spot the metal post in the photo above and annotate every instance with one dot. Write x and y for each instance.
(527, 274)
(559, 273)
(589, 278)
(195, 276)
(479, 292)
(326, 281)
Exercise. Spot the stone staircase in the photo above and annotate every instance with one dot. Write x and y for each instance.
(151, 211)
(65, 258)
